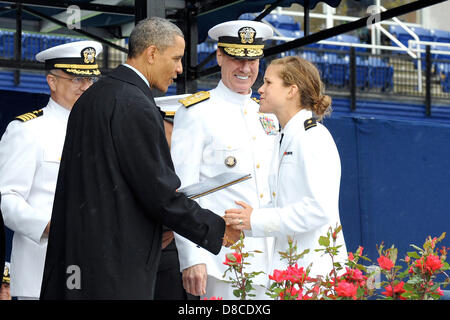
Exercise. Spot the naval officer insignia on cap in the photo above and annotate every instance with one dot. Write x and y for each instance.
(89, 55)
(75, 58)
(247, 34)
(241, 39)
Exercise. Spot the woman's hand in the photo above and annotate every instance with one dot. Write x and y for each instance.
(239, 218)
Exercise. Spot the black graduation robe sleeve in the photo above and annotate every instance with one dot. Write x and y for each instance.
(146, 165)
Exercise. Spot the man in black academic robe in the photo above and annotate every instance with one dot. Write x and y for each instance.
(116, 188)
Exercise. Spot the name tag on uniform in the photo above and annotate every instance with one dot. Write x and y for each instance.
(268, 125)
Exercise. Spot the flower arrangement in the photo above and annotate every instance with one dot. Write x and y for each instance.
(350, 280)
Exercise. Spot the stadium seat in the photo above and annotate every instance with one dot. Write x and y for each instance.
(443, 70)
(336, 69)
(272, 19)
(317, 60)
(6, 44)
(248, 16)
(204, 49)
(441, 56)
(380, 74)
(401, 34)
(423, 34)
(441, 35)
(287, 22)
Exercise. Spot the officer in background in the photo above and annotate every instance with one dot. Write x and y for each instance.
(222, 131)
(30, 153)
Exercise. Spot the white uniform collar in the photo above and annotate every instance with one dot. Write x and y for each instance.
(58, 109)
(139, 73)
(299, 117)
(231, 96)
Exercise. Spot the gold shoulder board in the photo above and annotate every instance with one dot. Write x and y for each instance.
(310, 123)
(30, 115)
(256, 100)
(195, 98)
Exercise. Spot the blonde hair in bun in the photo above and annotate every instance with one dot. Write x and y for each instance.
(302, 73)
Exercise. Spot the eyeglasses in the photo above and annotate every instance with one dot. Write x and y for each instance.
(78, 80)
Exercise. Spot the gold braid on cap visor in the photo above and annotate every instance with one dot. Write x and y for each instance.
(75, 66)
(239, 50)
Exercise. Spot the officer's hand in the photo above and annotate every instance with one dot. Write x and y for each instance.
(194, 279)
(231, 236)
(239, 218)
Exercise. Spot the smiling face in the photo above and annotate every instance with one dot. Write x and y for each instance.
(237, 75)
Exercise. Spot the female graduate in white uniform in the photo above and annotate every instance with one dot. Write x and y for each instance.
(306, 170)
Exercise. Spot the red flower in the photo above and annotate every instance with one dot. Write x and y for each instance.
(439, 291)
(360, 250)
(232, 259)
(278, 276)
(350, 256)
(346, 289)
(294, 274)
(213, 298)
(293, 292)
(433, 263)
(385, 263)
(398, 290)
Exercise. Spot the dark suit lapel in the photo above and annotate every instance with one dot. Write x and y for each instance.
(123, 73)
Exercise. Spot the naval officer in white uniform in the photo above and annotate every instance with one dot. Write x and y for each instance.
(222, 131)
(306, 168)
(30, 153)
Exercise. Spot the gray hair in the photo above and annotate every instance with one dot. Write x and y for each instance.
(152, 31)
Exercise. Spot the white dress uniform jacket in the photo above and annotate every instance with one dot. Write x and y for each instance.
(304, 182)
(204, 136)
(30, 153)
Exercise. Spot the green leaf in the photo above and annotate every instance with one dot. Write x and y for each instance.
(324, 241)
(417, 248)
(408, 287)
(413, 254)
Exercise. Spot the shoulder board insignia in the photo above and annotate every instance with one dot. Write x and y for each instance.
(255, 99)
(30, 115)
(169, 114)
(195, 98)
(310, 123)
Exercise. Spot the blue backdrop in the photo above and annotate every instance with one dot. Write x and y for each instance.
(395, 185)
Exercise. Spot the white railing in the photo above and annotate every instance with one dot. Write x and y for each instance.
(413, 49)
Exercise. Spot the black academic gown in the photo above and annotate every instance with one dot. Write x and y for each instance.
(116, 188)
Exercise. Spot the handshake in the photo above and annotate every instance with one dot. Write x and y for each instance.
(236, 221)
